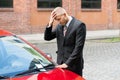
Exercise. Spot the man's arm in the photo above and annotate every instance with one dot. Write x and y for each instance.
(80, 39)
(49, 34)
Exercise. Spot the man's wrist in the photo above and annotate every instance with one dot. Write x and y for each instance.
(50, 23)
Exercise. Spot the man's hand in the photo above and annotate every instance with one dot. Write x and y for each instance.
(62, 66)
(52, 17)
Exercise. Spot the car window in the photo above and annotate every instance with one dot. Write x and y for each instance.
(16, 56)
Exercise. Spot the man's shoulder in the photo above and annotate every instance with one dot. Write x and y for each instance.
(77, 21)
(78, 24)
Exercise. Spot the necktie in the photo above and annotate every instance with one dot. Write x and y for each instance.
(65, 29)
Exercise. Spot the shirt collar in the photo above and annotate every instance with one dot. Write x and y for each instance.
(70, 19)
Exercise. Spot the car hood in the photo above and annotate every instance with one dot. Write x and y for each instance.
(55, 74)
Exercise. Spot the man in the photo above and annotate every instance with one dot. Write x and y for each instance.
(70, 41)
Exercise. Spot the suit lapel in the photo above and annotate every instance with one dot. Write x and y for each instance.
(61, 34)
(70, 26)
(62, 30)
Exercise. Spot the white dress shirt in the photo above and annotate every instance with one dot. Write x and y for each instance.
(68, 23)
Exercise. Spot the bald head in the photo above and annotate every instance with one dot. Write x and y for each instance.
(60, 15)
(59, 11)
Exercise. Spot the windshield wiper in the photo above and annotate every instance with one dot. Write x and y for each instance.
(36, 70)
(3, 77)
(30, 71)
(50, 66)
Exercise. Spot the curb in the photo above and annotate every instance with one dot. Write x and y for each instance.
(91, 35)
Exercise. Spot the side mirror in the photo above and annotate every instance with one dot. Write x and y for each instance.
(49, 55)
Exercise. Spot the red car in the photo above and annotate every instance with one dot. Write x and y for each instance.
(20, 60)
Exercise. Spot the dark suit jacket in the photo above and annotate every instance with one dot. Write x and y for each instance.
(70, 46)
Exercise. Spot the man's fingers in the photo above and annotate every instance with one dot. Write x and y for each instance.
(62, 66)
(59, 66)
(54, 15)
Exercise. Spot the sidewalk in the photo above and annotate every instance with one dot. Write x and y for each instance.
(90, 35)
(102, 34)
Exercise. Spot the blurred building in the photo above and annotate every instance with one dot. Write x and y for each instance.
(31, 16)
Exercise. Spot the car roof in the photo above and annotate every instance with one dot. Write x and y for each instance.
(5, 33)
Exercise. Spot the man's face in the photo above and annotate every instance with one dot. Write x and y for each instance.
(62, 19)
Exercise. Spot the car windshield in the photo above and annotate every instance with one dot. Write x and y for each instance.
(16, 56)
